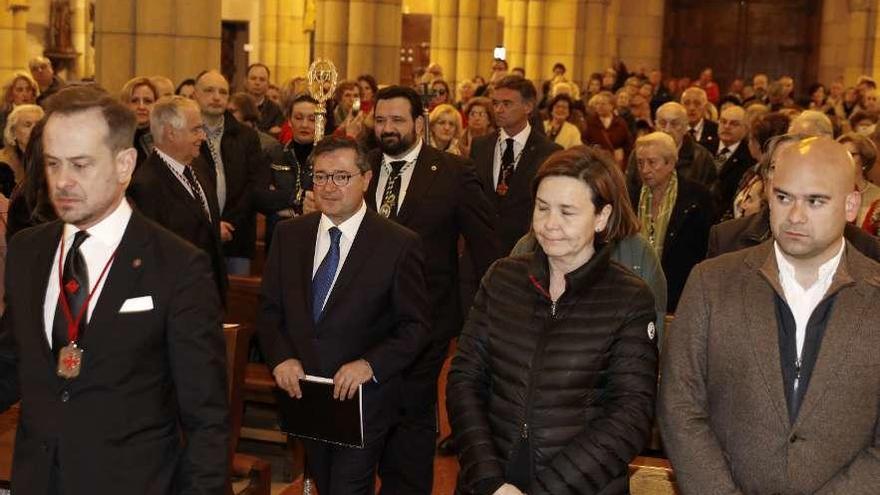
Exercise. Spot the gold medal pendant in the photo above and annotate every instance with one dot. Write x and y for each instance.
(385, 210)
(69, 361)
(501, 190)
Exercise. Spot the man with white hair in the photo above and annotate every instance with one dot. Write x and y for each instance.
(41, 70)
(703, 131)
(811, 123)
(173, 188)
(733, 158)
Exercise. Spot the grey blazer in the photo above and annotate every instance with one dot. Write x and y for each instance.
(722, 408)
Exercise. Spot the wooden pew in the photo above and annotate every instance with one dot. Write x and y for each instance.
(651, 476)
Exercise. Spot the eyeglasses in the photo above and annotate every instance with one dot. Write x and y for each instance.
(340, 179)
(440, 91)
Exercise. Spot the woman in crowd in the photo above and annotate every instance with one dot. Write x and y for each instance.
(139, 94)
(466, 90)
(607, 130)
(480, 121)
(16, 137)
(368, 87)
(442, 95)
(818, 98)
(552, 388)
(244, 108)
(29, 204)
(749, 197)
(186, 88)
(20, 90)
(445, 123)
(557, 127)
(864, 154)
(594, 86)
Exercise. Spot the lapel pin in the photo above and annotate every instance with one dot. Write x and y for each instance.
(136, 263)
(434, 168)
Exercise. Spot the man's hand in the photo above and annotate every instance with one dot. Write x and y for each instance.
(349, 377)
(309, 203)
(287, 376)
(508, 489)
(226, 230)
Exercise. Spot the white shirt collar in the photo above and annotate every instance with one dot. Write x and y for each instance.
(176, 165)
(411, 156)
(731, 149)
(349, 227)
(826, 271)
(521, 137)
(699, 127)
(109, 230)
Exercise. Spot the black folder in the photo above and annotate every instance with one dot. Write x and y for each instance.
(318, 416)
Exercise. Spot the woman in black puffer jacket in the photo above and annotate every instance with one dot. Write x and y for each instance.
(552, 388)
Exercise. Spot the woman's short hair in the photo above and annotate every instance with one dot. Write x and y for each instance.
(13, 119)
(134, 83)
(601, 95)
(560, 87)
(767, 126)
(663, 142)
(7, 88)
(597, 169)
(247, 107)
(485, 104)
(446, 109)
(562, 97)
(864, 146)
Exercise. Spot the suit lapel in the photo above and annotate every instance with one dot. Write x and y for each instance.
(130, 262)
(423, 176)
(837, 341)
(760, 315)
(306, 265)
(43, 265)
(176, 189)
(359, 253)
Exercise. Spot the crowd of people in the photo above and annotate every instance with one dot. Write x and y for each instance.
(551, 226)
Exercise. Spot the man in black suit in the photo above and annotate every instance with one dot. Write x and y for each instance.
(701, 129)
(109, 338)
(344, 296)
(507, 160)
(233, 153)
(438, 196)
(733, 158)
(171, 188)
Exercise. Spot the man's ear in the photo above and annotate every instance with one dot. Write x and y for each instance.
(125, 163)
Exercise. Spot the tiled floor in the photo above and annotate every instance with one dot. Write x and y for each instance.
(445, 468)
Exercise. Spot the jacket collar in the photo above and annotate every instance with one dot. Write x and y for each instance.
(584, 276)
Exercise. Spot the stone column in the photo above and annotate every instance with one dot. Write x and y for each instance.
(13, 37)
(298, 61)
(174, 38)
(444, 36)
(488, 38)
(593, 57)
(286, 30)
(467, 58)
(535, 24)
(80, 30)
(331, 33)
(269, 35)
(385, 46)
(515, 32)
(641, 33)
(560, 35)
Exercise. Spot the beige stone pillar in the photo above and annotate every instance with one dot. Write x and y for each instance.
(13, 37)
(331, 33)
(362, 31)
(560, 39)
(468, 55)
(488, 38)
(515, 32)
(174, 38)
(593, 57)
(535, 25)
(285, 36)
(641, 33)
(269, 35)
(444, 36)
(7, 67)
(298, 59)
(80, 35)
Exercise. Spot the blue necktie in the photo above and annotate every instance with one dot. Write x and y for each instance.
(324, 276)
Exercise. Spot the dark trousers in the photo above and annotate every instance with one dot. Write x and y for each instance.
(340, 470)
(407, 465)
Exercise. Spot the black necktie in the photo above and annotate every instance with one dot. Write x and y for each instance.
(388, 209)
(693, 132)
(722, 155)
(75, 288)
(506, 171)
(196, 190)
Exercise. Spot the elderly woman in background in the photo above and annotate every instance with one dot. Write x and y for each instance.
(20, 90)
(749, 197)
(139, 95)
(552, 388)
(445, 122)
(16, 137)
(480, 121)
(558, 128)
(864, 154)
(607, 130)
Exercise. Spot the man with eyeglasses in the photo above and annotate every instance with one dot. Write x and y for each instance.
(344, 297)
(733, 158)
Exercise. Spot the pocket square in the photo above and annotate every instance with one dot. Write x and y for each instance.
(136, 304)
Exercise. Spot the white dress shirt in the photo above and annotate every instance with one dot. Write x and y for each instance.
(802, 301)
(519, 144)
(405, 175)
(97, 249)
(698, 130)
(349, 230)
(731, 148)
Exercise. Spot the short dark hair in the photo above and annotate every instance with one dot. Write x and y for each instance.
(561, 97)
(391, 92)
(370, 80)
(247, 107)
(120, 120)
(765, 127)
(558, 65)
(519, 84)
(259, 64)
(186, 82)
(333, 143)
(597, 169)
